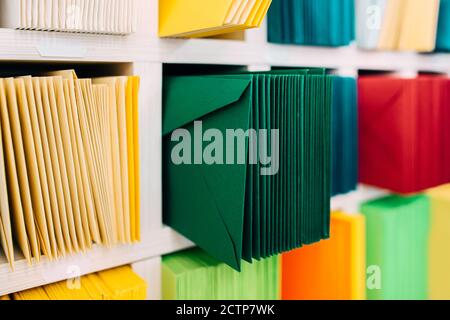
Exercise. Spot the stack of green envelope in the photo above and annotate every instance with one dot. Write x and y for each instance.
(345, 135)
(194, 275)
(239, 209)
(397, 247)
(312, 22)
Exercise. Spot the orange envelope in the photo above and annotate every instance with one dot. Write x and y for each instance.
(333, 269)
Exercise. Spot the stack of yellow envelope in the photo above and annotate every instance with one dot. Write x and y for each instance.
(115, 284)
(439, 259)
(409, 25)
(204, 18)
(69, 163)
(5, 297)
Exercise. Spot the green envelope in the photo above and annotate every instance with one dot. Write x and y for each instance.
(397, 247)
(194, 275)
(233, 211)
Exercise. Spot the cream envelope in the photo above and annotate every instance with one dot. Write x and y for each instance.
(5, 220)
(115, 154)
(35, 163)
(22, 184)
(47, 179)
(83, 103)
(73, 215)
(83, 207)
(59, 169)
(81, 222)
(85, 186)
(24, 229)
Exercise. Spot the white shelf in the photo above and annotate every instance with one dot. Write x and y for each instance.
(99, 258)
(19, 45)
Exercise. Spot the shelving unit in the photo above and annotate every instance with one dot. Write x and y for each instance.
(144, 54)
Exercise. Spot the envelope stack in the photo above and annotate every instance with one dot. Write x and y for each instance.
(333, 269)
(439, 259)
(443, 33)
(69, 164)
(397, 247)
(194, 275)
(345, 136)
(397, 24)
(115, 284)
(5, 298)
(187, 18)
(404, 136)
(243, 198)
(312, 22)
(85, 16)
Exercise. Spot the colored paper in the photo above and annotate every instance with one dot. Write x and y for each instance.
(402, 131)
(86, 16)
(116, 284)
(194, 275)
(439, 259)
(345, 136)
(247, 208)
(397, 247)
(62, 164)
(333, 269)
(187, 18)
(443, 32)
(312, 22)
(405, 25)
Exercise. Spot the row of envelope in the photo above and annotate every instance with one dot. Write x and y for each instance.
(177, 18)
(114, 284)
(420, 25)
(395, 249)
(86, 16)
(69, 163)
(312, 22)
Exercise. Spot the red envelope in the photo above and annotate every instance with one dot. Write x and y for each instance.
(404, 128)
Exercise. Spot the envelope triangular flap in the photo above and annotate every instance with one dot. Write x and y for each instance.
(209, 206)
(186, 99)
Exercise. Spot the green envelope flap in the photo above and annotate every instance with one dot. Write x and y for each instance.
(205, 202)
(191, 97)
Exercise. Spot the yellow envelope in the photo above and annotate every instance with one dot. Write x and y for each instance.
(51, 161)
(59, 167)
(20, 191)
(392, 25)
(115, 154)
(61, 120)
(86, 107)
(83, 185)
(182, 16)
(32, 294)
(45, 231)
(123, 145)
(439, 260)
(419, 26)
(131, 155)
(5, 221)
(137, 165)
(40, 180)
